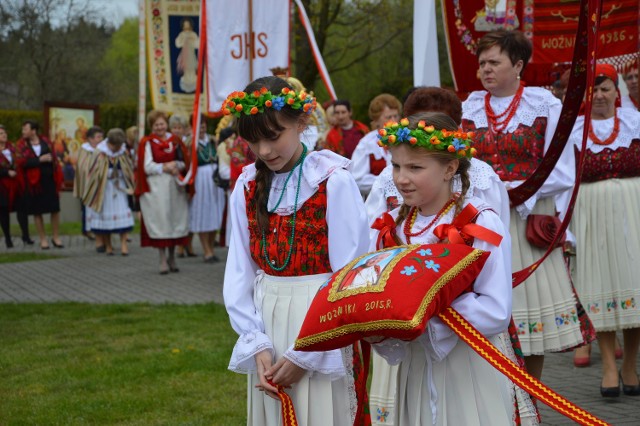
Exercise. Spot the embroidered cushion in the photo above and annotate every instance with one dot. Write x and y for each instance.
(388, 293)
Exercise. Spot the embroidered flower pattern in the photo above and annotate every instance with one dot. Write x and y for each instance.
(430, 264)
(409, 270)
(382, 414)
(425, 252)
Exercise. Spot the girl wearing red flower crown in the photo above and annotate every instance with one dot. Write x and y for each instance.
(297, 217)
(513, 127)
(443, 381)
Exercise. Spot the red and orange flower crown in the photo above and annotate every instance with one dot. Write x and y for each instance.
(238, 103)
(456, 142)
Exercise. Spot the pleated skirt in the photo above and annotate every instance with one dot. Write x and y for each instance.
(317, 399)
(544, 307)
(607, 226)
(116, 215)
(464, 390)
(382, 394)
(207, 204)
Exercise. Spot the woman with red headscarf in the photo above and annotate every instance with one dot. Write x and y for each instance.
(607, 227)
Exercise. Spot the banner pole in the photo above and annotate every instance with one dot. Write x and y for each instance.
(250, 40)
(142, 68)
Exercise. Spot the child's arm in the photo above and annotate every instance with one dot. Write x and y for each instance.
(488, 307)
(238, 290)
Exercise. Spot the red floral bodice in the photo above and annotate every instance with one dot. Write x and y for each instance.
(376, 166)
(513, 156)
(612, 164)
(311, 245)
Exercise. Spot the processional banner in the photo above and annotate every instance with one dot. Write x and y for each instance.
(245, 39)
(550, 25)
(173, 37)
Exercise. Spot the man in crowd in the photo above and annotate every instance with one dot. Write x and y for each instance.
(347, 132)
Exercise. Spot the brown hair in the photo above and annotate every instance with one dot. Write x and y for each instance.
(377, 104)
(435, 99)
(440, 120)
(514, 43)
(154, 115)
(116, 137)
(265, 125)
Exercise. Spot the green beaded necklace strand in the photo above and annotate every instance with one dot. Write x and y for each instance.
(293, 222)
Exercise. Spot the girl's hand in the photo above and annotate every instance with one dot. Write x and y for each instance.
(285, 373)
(12, 173)
(264, 361)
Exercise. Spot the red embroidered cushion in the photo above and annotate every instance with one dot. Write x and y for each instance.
(390, 293)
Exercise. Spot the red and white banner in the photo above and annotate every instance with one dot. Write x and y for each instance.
(232, 28)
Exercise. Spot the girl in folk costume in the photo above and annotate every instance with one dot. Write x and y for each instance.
(164, 202)
(296, 217)
(109, 182)
(207, 205)
(607, 229)
(8, 184)
(370, 159)
(443, 381)
(40, 178)
(485, 185)
(513, 127)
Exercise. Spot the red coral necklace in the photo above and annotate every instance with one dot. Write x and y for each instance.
(413, 214)
(498, 122)
(612, 137)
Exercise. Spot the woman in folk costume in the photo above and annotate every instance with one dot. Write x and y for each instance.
(8, 184)
(109, 182)
(370, 159)
(513, 127)
(40, 179)
(207, 204)
(297, 216)
(443, 381)
(164, 201)
(607, 227)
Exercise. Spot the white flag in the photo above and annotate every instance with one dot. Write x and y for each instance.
(228, 44)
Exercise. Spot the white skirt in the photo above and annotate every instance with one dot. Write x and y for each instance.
(115, 215)
(544, 307)
(165, 208)
(207, 205)
(607, 226)
(464, 390)
(317, 400)
(382, 396)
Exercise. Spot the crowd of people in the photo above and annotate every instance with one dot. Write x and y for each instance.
(293, 189)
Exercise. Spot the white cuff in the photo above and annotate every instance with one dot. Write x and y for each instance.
(329, 363)
(247, 346)
(158, 169)
(438, 340)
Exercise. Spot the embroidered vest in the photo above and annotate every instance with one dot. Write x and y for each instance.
(376, 166)
(162, 154)
(612, 164)
(311, 245)
(513, 156)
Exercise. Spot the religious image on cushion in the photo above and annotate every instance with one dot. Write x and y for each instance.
(390, 293)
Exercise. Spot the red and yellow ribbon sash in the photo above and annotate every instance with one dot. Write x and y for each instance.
(288, 412)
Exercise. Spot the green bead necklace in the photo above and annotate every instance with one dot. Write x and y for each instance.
(293, 222)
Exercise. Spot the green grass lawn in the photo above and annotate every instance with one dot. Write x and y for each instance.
(81, 364)
(25, 257)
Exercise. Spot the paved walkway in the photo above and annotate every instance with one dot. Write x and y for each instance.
(82, 275)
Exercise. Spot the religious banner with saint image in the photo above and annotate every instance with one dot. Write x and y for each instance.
(173, 38)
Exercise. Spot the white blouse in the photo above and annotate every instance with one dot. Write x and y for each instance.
(348, 238)
(485, 185)
(536, 102)
(360, 168)
(487, 307)
(629, 130)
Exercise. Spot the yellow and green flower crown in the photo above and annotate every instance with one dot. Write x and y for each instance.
(238, 103)
(456, 142)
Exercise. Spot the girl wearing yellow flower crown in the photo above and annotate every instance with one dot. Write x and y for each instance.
(442, 381)
(297, 217)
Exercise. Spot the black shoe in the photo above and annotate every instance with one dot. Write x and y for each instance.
(56, 245)
(101, 249)
(630, 390)
(174, 269)
(28, 241)
(212, 259)
(612, 392)
(8, 243)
